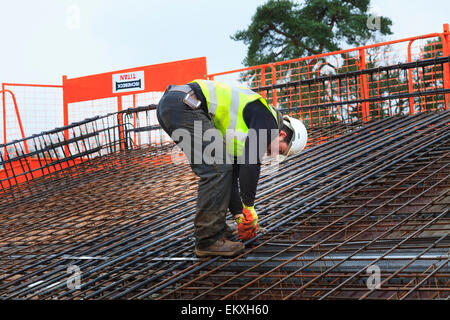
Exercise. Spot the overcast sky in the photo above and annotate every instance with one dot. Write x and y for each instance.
(41, 40)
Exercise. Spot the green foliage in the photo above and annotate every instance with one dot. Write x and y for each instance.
(283, 29)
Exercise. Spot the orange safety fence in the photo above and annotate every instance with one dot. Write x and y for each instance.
(28, 109)
(115, 91)
(42, 106)
(31, 112)
(50, 151)
(357, 84)
(342, 86)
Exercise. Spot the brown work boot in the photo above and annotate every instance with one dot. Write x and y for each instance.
(222, 247)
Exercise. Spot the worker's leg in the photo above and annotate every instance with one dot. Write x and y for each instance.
(235, 204)
(214, 186)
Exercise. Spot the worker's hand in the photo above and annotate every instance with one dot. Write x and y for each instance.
(247, 223)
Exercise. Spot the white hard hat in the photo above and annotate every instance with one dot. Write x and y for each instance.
(299, 135)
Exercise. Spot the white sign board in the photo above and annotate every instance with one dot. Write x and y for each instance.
(129, 81)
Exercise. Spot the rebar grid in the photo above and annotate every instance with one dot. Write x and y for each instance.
(377, 196)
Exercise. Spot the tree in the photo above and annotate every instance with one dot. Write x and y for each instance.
(282, 29)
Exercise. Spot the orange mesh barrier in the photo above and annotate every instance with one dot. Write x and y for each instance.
(346, 85)
(109, 92)
(358, 84)
(29, 109)
(30, 146)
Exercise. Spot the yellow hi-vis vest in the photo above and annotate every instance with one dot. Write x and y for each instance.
(226, 105)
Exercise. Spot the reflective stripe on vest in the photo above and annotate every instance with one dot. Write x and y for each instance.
(226, 104)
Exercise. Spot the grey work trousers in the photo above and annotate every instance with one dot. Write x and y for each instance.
(214, 186)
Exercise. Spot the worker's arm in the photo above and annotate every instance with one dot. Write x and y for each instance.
(235, 205)
(257, 117)
(248, 181)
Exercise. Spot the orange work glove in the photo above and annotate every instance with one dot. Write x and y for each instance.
(247, 223)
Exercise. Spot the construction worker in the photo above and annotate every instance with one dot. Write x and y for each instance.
(230, 181)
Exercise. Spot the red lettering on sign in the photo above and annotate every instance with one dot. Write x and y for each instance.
(129, 76)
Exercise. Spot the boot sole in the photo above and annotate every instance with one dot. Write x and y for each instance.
(204, 253)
